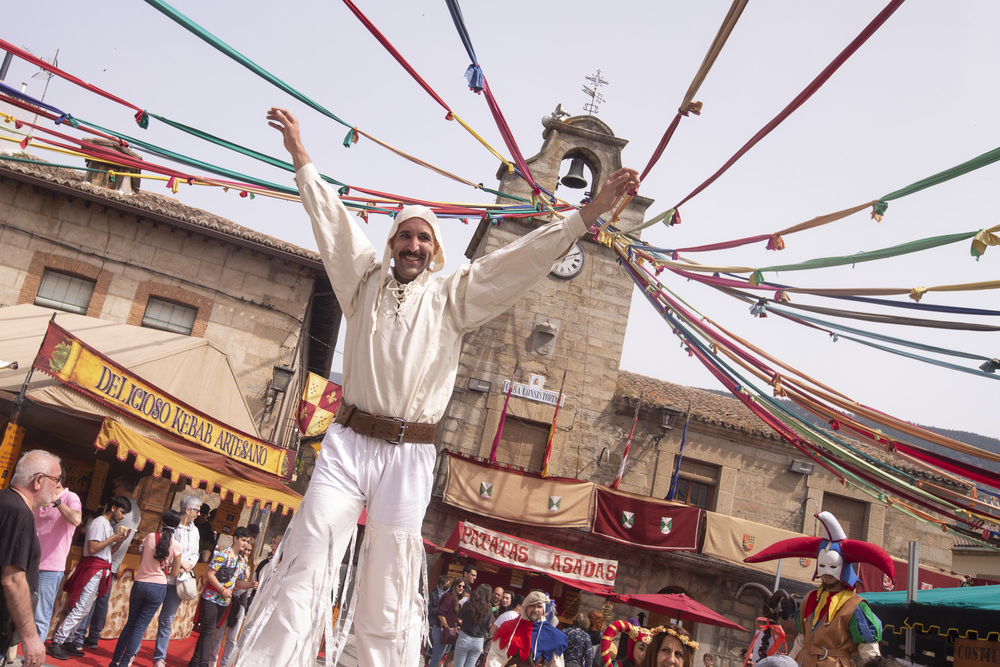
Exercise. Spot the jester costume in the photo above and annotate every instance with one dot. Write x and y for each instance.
(834, 621)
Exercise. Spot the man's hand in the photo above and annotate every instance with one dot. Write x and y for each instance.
(622, 181)
(34, 651)
(283, 121)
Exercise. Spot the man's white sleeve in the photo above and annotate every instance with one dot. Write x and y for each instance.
(348, 255)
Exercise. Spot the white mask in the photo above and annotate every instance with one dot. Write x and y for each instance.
(829, 562)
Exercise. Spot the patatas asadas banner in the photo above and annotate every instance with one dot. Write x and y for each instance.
(74, 363)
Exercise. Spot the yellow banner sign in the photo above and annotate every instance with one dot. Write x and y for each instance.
(71, 361)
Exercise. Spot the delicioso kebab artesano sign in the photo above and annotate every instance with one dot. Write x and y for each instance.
(77, 365)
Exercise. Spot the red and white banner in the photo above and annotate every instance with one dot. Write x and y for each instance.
(596, 575)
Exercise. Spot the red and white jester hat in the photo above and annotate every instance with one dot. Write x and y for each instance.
(852, 551)
(638, 634)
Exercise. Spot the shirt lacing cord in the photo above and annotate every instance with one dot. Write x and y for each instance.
(399, 293)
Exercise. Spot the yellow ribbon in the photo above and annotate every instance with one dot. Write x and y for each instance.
(985, 238)
(506, 162)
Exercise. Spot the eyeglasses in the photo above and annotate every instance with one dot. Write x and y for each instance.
(55, 478)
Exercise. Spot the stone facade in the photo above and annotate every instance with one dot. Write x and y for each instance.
(250, 296)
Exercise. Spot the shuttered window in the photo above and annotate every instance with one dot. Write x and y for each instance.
(65, 292)
(523, 443)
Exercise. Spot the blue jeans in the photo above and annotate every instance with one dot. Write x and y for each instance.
(95, 619)
(439, 649)
(143, 602)
(467, 650)
(170, 604)
(48, 589)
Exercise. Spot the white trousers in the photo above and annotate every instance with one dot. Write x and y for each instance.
(292, 610)
(79, 610)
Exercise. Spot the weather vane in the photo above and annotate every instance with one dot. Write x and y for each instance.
(595, 97)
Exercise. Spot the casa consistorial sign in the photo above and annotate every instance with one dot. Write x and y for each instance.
(533, 394)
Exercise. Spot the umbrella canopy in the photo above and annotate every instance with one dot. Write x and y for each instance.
(679, 606)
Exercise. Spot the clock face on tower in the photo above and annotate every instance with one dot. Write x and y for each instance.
(570, 265)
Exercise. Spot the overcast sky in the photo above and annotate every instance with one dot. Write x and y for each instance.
(919, 97)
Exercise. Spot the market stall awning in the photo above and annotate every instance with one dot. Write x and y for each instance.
(680, 607)
(594, 575)
(192, 369)
(967, 612)
(220, 473)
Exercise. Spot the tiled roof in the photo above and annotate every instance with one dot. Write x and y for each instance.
(706, 406)
(728, 412)
(154, 203)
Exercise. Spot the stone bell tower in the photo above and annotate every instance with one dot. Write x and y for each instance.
(573, 322)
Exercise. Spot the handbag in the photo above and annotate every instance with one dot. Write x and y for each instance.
(225, 574)
(449, 635)
(187, 587)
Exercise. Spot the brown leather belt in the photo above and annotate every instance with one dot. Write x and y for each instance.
(391, 429)
(823, 653)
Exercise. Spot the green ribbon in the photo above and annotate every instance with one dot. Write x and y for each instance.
(224, 48)
(870, 256)
(350, 138)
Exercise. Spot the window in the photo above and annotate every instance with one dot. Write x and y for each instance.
(168, 316)
(694, 493)
(696, 484)
(523, 443)
(849, 512)
(65, 292)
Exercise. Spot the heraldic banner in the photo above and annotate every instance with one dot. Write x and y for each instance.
(524, 497)
(733, 539)
(596, 575)
(320, 400)
(75, 364)
(646, 522)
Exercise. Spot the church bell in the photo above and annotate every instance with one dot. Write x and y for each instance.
(574, 177)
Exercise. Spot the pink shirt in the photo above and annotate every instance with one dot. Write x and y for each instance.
(55, 533)
(150, 570)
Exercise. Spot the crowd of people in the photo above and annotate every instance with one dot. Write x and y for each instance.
(465, 622)
(470, 625)
(39, 517)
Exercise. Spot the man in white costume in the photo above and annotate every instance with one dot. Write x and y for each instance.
(404, 333)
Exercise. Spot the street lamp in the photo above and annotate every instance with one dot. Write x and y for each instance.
(279, 385)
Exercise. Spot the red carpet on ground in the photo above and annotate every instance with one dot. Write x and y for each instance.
(178, 655)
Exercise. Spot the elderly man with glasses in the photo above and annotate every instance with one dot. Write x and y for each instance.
(35, 483)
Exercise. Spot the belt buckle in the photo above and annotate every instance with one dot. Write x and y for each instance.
(402, 432)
